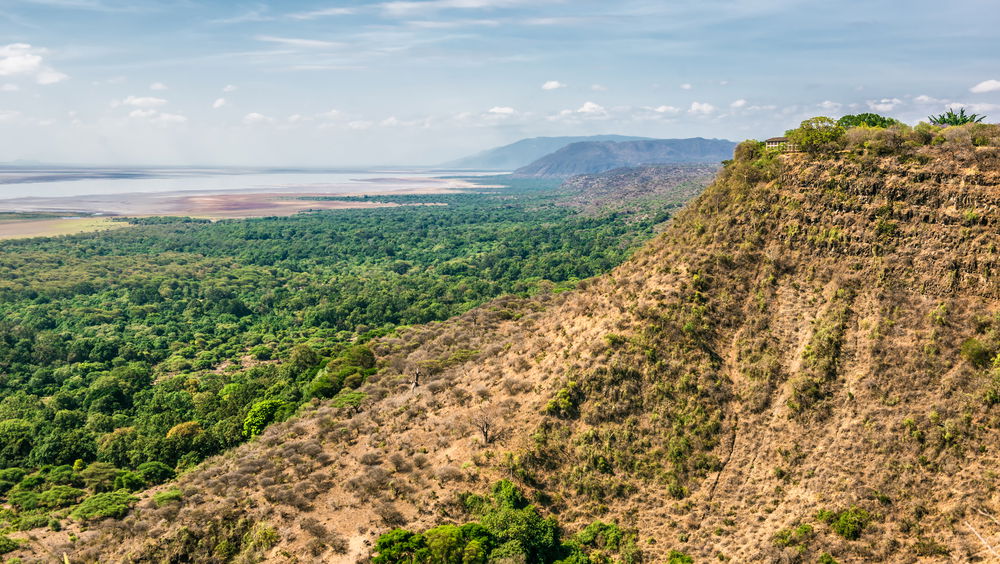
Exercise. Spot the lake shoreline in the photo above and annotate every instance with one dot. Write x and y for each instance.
(206, 204)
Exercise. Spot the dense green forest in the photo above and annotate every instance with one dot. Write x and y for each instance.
(238, 322)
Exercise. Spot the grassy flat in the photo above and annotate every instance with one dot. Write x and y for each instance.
(23, 228)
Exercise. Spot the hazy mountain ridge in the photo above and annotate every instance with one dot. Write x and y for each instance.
(591, 157)
(525, 151)
(786, 372)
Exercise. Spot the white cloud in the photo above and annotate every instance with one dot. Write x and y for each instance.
(157, 117)
(738, 104)
(360, 125)
(410, 8)
(686, 86)
(157, 86)
(432, 24)
(830, 105)
(295, 118)
(590, 108)
(230, 88)
(986, 86)
(502, 110)
(7, 115)
(9, 88)
(925, 99)
(553, 85)
(390, 121)
(701, 108)
(982, 107)
(141, 102)
(332, 114)
(884, 105)
(49, 76)
(315, 14)
(299, 42)
(253, 118)
(666, 109)
(164, 118)
(218, 103)
(21, 59)
(598, 87)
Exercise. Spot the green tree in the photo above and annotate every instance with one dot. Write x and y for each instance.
(353, 400)
(259, 416)
(816, 135)
(99, 476)
(867, 120)
(103, 505)
(155, 472)
(16, 437)
(60, 496)
(399, 546)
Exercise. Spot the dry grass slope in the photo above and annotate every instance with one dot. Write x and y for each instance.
(799, 365)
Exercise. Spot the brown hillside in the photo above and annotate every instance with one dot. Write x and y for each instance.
(811, 335)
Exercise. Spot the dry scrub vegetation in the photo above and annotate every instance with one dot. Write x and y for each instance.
(799, 367)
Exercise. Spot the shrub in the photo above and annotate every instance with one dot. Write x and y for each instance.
(262, 352)
(352, 400)
(131, 481)
(23, 500)
(508, 531)
(848, 523)
(678, 557)
(155, 473)
(29, 522)
(14, 475)
(565, 404)
(259, 416)
(60, 496)
(103, 505)
(398, 545)
(8, 544)
(977, 353)
(167, 496)
(99, 476)
(792, 537)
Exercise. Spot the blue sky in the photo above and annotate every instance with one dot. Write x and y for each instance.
(424, 81)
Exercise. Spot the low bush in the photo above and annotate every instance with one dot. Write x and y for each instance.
(104, 505)
(60, 496)
(8, 544)
(167, 496)
(848, 523)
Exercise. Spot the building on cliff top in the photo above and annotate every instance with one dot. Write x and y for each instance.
(781, 143)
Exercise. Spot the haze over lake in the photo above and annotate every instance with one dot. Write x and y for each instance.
(54, 182)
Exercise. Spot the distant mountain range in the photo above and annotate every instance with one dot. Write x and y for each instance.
(589, 157)
(525, 151)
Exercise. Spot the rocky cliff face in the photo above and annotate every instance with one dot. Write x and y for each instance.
(800, 366)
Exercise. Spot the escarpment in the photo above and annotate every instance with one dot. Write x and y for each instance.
(799, 367)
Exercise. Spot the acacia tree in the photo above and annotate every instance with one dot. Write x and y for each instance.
(866, 119)
(487, 422)
(952, 118)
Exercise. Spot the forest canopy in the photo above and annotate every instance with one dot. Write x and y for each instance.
(129, 355)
